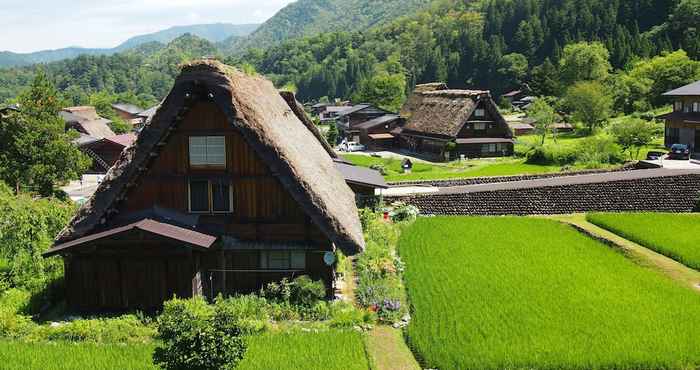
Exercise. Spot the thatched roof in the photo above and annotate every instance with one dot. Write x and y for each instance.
(298, 110)
(255, 108)
(414, 101)
(444, 112)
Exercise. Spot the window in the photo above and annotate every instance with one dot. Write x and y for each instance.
(210, 196)
(479, 112)
(283, 260)
(686, 108)
(696, 107)
(678, 106)
(208, 151)
(479, 126)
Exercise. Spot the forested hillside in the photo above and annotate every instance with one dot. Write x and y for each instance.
(489, 44)
(311, 17)
(212, 32)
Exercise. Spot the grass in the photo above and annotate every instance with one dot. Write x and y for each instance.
(65, 355)
(325, 350)
(388, 351)
(452, 170)
(671, 234)
(494, 293)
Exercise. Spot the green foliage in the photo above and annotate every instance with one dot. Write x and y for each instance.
(494, 293)
(584, 61)
(595, 151)
(385, 87)
(332, 134)
(544, 116)
(318, 350)
(301, 291)
(27, 229)
(513, 69)
(37, 153)
(196, 335)
(634, 133)
(589, 103)
(379, 269)
(671, 234)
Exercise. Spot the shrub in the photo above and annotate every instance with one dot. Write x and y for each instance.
(403, 212)
(380, 168)
(345, 315)
(13, 324)
(301, 291)
(196, 335)
(596, 150)
(252, 312)
(123, 329)
(550, 154)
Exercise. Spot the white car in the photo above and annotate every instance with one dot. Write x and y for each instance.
(352, 146)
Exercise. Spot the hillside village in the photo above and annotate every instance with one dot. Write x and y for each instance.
(262, 210)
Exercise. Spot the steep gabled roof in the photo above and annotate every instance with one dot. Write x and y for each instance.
(254, 107)
(298, 110)
(444, 112)
(692, 89)
(416, 98)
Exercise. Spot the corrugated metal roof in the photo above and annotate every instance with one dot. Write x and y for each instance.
(189, 237)
(377, 121)
(129, 108)
(687, 90)
(361, 175)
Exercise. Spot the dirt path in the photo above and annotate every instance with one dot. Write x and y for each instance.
(388, 351)
(640, 254)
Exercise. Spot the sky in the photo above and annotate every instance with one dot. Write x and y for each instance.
(32, 25)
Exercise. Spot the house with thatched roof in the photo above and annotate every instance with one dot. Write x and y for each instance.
(445, 124)
(86, 121)
(224, 191)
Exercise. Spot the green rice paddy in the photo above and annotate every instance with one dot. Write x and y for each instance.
(325, 350)
(73, 356)
(674, 235)
(525, 293)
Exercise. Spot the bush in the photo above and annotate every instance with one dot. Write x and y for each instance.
(595, 151)
(380, 168)
(252, 311)
(550, 154)
(122, 329)
(13, 324)
(196, 335)
(301, 291)
(345, 315)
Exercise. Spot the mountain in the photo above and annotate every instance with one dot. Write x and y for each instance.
(216, 32)
(311, 17)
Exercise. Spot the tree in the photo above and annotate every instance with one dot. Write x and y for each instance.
(589, 104)
(632, 134)
(513, 69)
(386, 88)
(544, 80)
(544, 116)
(584, 61)
(664, 73)
(332, 135)
(35, 151)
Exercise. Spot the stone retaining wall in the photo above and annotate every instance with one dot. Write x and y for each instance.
(495, 179)
(667, 194)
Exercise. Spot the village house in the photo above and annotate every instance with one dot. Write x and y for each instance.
(224, 191)
(366, 183)
(87, 122)
(348, 120)
(106, 151)
(129, 113)
(683, 124)
(445, 124)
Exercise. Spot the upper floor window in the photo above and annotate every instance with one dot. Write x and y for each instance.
(678, 106)
(207, 151)
(480, 113)
(480, 126)
(283, 260)
(210, 196)
(696, 106)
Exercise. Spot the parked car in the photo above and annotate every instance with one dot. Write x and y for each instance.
(655, 156)
(679, 151)
(352, 146)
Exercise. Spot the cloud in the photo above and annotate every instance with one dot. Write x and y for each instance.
(51, 24)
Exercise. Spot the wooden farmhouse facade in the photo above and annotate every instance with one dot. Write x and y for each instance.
(224, 191)
(683, 124)
(446, 124)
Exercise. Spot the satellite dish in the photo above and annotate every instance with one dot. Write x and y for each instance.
(329, 258)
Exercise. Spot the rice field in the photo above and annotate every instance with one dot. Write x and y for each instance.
(73, 356)
(325, 350)
(516, 293)
(674, 235)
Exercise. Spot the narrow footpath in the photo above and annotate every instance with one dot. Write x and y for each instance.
(643, 256)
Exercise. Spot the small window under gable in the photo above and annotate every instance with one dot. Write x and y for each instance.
(207, 151)
(480, 113)
(283, 260)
